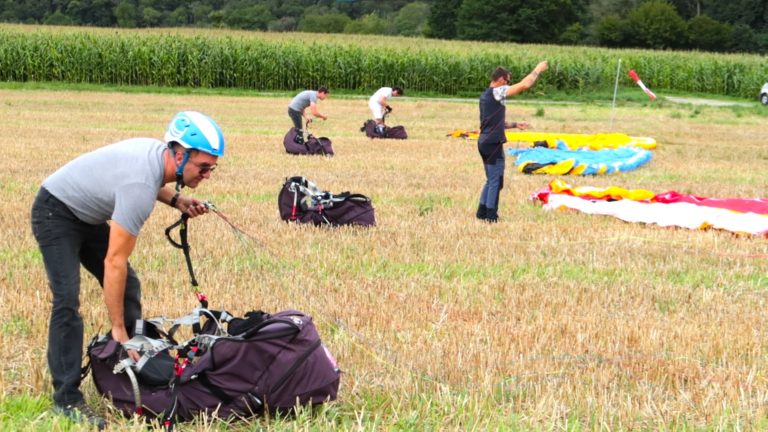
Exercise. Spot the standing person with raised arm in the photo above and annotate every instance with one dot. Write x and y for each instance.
(490, 143)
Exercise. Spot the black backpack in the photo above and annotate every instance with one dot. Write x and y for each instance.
(312, 146)
(302, 201)
(232, 367)
(394, 132)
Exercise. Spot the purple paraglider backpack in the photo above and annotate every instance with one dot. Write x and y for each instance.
(231, 368)
(300, 200)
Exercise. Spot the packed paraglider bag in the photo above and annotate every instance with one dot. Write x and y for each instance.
(295, 144)
(302, 201)
(394, 132)
(231, 368)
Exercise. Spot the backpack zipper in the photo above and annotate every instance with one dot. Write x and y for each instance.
(284, 379)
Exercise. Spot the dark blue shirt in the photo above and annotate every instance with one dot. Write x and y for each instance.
(492, 137)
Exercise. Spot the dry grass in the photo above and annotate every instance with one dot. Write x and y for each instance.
(543, 321)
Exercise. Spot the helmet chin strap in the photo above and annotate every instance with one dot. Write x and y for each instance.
(180, 172)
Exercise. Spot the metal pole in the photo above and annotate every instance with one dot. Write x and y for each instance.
(615, 90)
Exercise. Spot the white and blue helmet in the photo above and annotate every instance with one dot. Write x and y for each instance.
(196, 131)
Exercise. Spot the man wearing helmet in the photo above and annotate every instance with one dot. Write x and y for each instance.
(119, 183)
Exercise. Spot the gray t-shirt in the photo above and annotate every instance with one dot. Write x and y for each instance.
(302, 100)
(117, 182)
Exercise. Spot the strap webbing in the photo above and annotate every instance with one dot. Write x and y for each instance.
(183, 244)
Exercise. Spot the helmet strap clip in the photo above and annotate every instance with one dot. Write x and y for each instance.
(180, 171)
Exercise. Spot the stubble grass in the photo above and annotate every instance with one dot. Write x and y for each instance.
(544, 321)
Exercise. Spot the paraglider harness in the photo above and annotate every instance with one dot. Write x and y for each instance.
(278, 366)
(394, 132)
(294, 143)
(302, 201)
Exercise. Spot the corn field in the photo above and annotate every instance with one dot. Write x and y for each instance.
(263, 61)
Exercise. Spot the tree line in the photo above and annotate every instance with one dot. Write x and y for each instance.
(707, 25)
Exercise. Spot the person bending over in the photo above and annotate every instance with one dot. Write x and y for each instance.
(379, 104)
(89, 213)
(298, 107)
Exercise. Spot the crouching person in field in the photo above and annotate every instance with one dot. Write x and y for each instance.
(89, 212)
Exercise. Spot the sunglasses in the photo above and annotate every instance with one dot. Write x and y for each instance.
(204, 168)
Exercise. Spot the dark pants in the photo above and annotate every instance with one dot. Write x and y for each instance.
(66, 242)
(494, 182)
(296, 117)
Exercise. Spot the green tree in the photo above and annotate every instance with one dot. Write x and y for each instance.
(217, 18)
(609, 31)
(126, 14)
(367, 24)
(709, 35)
(656, 24)
(687, 8)
(412, 19)
(58, 18)
(601, 8)
(201, 12)
(151, 17)
(753, 13)
(67, 9)
(745, 39)
(324, 23)
(291, 8)
(514, 20)
(572, 35)
(179, 17)
(98, 13)
(284, 24)
(442, 19)
(244, 16)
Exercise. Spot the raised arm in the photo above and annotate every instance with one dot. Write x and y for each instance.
(529, 79)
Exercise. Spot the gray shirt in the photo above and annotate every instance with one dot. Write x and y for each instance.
(302, 100)
(118, 182)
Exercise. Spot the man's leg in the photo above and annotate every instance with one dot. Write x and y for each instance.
(378, 116)
(296, 119)
(92, 256)
(482, 209)
(56, 231)
(380, 129)
(494, 172)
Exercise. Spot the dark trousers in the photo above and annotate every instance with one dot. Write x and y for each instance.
(296, 118)
(494, 182)
(66, 242)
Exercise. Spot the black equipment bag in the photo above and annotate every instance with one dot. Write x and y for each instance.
(302, 201)
(231, 367)
(394, 132)
(260, 363)
(312, 146)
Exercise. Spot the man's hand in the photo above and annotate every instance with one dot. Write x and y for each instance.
(121, 335)
(388, 108)
(191, 206)
(522, 125)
